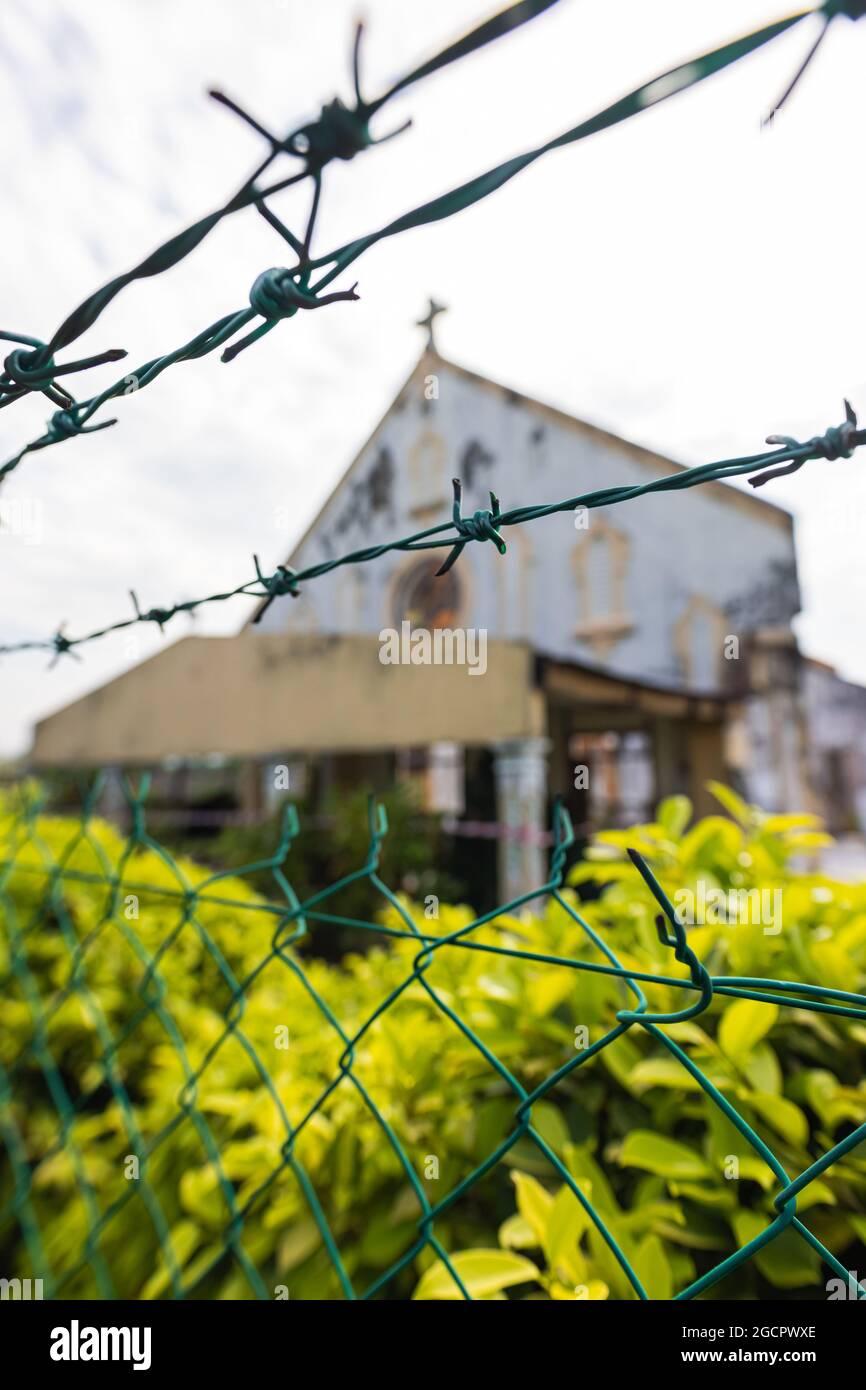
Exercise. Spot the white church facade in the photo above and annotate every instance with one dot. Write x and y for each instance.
(629, 651)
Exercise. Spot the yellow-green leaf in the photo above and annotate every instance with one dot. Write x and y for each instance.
(832, 963)
(717, 1198)
(299, 1241)
(762, 1069)
(658, 1154)
(534, 1203)
(652, 1268)
(566, 1224)
(547, 1120)
(782, 1115)
(673, 815)
(482, 1272)
(515, 1233)
(744, 1023)
(595, 1291)
(801, 820)
(662, 1071)
(733, 804)
(201, 1196)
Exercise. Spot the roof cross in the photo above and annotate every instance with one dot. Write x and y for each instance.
(429, 320)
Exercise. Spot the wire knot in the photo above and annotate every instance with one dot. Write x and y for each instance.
(837, 442)
(340, 132)
(156, 615)
(276, 294)
(65, 424)
(34, 369)
(683, 952)
(833, 444)
(282, 581)
(62, 645)
(29, 367)
(160, 616)
(481, 526)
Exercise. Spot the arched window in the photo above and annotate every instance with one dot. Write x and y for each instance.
(699, 639)
(429, 487)
(705, 650)
(600, 578)
(425, 600)
(600, 567)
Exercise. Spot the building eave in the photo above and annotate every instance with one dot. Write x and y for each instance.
(427, 359)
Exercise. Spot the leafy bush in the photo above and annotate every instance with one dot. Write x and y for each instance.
(796, 1076)
(632, 1127)
(332, 842)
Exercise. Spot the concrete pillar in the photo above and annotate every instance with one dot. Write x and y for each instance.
(250, 789)
(671, 773)
(706, 764)
(445, 784)
(779, 776)
(520, 772)
(113, 805)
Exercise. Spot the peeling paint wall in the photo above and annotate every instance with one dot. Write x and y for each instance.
(836, 711)
(648, 589)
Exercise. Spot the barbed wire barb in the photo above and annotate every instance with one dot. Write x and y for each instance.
(341, 132)
(839, 441)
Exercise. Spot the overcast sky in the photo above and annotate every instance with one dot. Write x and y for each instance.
(684, 280)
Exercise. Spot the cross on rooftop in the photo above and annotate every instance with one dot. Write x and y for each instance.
(429, 320)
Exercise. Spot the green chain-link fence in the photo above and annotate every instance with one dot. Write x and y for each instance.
(107, 947)
(137, 997)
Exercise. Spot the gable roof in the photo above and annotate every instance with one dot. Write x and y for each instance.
(431, 359)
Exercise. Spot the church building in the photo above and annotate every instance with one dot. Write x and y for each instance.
(611, 656)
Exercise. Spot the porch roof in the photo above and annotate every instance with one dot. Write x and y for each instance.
(253, 695)
(262, 694)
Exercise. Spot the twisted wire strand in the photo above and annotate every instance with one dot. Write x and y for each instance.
(340, 132)
(839, 441)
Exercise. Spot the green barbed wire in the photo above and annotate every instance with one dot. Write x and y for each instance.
(839, 441)
(292, 925)
(340, 132)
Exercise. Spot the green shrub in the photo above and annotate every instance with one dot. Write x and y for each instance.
(332, 842)
(637, 1135)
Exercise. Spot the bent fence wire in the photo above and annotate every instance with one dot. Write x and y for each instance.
(340, 132)
(51, 906)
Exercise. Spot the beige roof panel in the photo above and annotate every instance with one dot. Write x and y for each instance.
(259, 694)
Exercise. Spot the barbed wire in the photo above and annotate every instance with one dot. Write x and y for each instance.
(839, 441)
(339, 132)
